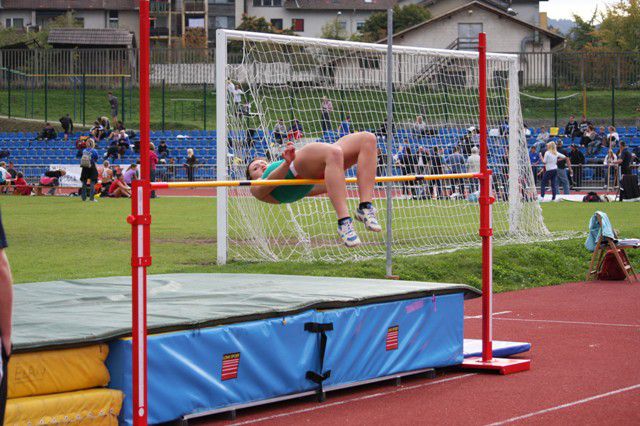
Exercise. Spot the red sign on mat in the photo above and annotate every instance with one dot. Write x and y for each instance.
(392, 338)
(230, 364)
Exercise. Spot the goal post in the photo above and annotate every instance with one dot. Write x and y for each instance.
(318, 90)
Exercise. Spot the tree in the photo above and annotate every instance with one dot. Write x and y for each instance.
(583, 34)
(38, 39)
(333, 30)
(260, 25)
(375, 28)
(620, 28)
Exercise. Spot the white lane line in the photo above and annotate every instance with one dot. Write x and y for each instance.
(494, 314)
(570, 322)
(348, 401)
(569, 404)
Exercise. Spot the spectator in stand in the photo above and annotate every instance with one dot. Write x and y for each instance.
(536, 161)
(104, 121)
(50, 179)
(456, 163)
(112, 152)
(106, 178)
(564, 169)
(113, 106)
(437, 168)
(119, 188)
(613, 137)
(190, 164)
(584, 125)
(21, 185)
(123, 144)
(541, 140)
(81, 144)
(48, 132)
(577, 160)
(237, 100)
(593, 147)
(67, 126)
(550, 160)
(407, 162)
(467, 141)
(504, 127)
(345, 126)
(473, 166)
(588, 136)
(6, 307)
(280, 131)
(97, 131)
(13, 173)
(295, 132)
(130, 174)
(419, 128)
(5, 177)
(611, 162)
(163, 151)
(89, 172)
(325, 110)
(572, 130)
(153, 163)
(625, 158)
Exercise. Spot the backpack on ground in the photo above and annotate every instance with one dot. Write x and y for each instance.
(591, 197)
(85, 161)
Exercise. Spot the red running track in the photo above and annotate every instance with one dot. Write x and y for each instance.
(585, 370)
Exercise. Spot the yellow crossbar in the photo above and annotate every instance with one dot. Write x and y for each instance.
(288, 182)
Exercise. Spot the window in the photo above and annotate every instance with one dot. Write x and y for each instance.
(297, 24)
(359, 25)
(277, 23)
(368, 62)
(267, 3)
(221, 1)
(79, 21)
(342, 25)
(468, 36)
(226, 22)
(112, 19)
(14, 23)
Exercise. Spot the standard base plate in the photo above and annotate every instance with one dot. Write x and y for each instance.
(501, 365)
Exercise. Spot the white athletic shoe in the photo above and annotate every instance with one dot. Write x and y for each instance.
(348, 234)
(368, 217)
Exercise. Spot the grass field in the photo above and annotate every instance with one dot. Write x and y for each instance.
(184, 107)
(63, 238)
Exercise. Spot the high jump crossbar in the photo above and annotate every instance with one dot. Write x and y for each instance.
(140, 220)
(297, 182)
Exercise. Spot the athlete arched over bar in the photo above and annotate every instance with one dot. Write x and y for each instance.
(329, 162)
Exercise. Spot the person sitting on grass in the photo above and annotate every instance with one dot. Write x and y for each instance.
(119, 189)
(106, 178)
(5, 177)
(329, 162)
(21, 185)
(130, 174)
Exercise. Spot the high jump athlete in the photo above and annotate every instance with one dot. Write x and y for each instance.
(329, 162)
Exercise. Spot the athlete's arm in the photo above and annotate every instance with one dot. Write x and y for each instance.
(263, 193)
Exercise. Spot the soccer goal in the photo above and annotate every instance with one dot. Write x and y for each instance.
(284, 88)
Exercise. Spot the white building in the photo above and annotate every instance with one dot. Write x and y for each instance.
(90, 14)
(307, 17)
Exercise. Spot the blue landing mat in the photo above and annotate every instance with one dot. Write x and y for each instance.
(473, 347)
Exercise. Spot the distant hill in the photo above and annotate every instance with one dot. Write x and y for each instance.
(563, 25)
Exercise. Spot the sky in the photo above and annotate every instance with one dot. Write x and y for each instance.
(564, 9)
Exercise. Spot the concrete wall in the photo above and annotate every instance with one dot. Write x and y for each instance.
(129, 20)
(503, 35)
(93, 18)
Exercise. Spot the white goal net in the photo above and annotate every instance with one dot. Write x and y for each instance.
(273, 88)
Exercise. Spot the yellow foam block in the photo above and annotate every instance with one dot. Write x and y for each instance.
(86, 407)
(65, 370)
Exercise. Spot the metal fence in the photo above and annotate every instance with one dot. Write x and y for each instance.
(592, 177)
(45, 84)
